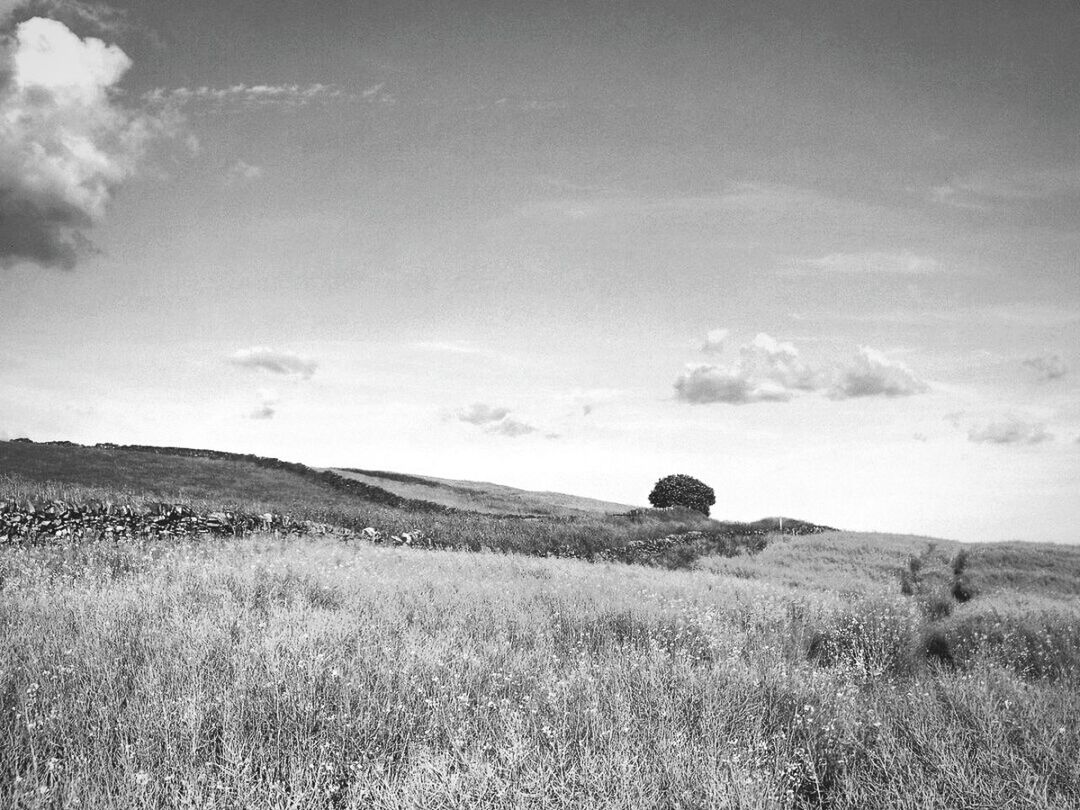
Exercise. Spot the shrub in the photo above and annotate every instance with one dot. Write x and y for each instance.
(682, 490)
(963, 590)
(960, 561)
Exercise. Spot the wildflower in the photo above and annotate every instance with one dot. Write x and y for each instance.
(142, 778)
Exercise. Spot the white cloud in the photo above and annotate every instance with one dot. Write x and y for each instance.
(450, 347)
(267, 407)
(512, 428)
(495, 420)
(767, 371)
(241, 172)
(247, 96)
(66, 145)
(871, 263)
(480, 413)
(714, 341)
(377, 94)
(986, 191)
(273, 361)
(702, 384)
(1010, 430)
(874, 374)
(1047, 366)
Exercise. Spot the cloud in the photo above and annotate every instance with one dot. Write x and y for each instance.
(874, 374)
(714, 341)
(872, 263)
(987, 191)
(450, 347)
(376, 94)
(481, 414)
(264, 411)
(66, 145)
(267, 407)
(241, 172)
(495, 420)
(274, 362)
(767, 371)
(1047, 366)
(512, 428)
(1010, 430)
(102, 18)
(703, 384)
(247, 96)
(9, 7)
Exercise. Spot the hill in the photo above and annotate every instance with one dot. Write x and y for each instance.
(482, 497)
(166, 490)
(186, 474)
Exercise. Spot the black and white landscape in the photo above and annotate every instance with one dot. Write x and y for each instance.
(398, 402)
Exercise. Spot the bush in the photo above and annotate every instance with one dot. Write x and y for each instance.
(682, 490)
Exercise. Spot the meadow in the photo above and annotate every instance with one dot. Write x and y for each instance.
(521, 666)
(309, 673)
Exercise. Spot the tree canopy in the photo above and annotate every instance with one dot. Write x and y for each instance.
(682, 490)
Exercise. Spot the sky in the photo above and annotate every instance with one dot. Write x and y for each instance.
(823, 256)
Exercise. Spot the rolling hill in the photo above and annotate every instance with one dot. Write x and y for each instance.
(482, 497)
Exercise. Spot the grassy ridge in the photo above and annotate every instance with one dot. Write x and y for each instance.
(178, 473)
(484, 497)
(315, 675)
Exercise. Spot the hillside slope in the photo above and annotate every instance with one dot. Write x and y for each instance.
(483, 497)
(183, 474)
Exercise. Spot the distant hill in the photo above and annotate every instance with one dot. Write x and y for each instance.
(186, 474)
(477, 496)
(172, 473)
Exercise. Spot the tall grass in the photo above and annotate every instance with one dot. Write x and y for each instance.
(312, 674)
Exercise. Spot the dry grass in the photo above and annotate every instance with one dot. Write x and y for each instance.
(260, 673)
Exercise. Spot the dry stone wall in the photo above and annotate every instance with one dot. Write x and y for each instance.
(31, 521)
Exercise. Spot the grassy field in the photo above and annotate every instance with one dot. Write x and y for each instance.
(310, 673)
(831, 670)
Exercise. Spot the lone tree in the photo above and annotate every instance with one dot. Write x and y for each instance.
(682, 490)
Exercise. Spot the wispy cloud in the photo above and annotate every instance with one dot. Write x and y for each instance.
(260, 96)
(242, 172)
(870, 263)
(66, 145)
(267, 407)
(1047, 366)
(714, 341)
(512, 428)
(377, 94)
(450, 347)
(480, 413)
(986, 191)
(1025, 314)
(1010, 430)
(100, 17)
(264, 411)
(273, 361)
